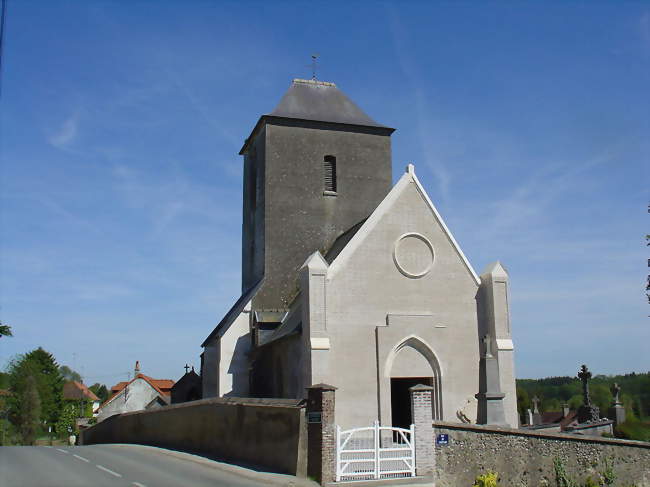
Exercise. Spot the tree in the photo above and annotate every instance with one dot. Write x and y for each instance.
(67, 419)
(551, 405)
(523, 404)
(50, 384)
(100, 390)
(30, 414)
(5, 331)
(41, 366)
(69, 374)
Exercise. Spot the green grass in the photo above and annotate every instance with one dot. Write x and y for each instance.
(634, 430)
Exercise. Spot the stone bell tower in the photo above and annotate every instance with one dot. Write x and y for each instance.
(313, 168)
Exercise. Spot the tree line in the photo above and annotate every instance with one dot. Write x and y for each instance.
(553, 392)
(32, 403)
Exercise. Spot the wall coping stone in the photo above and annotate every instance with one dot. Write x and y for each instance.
(324, 387)
(234, 401)
(420, 387)
(551, 436)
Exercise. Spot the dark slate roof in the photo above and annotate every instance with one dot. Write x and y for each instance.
(314, 101)
(340, 243)
(320, 101)
(235, 311)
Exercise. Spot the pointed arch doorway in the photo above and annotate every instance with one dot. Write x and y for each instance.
(410, 363)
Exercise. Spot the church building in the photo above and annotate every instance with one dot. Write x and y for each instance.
(350, 282)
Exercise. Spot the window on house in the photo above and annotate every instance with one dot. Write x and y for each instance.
(329, 173)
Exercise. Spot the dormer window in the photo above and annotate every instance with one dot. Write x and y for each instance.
(329, 175)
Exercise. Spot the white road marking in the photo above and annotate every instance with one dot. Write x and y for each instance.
(62, 451)
(81, 458)
(137, 484)
(108, 471)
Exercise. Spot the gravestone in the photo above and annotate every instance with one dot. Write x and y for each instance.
(587, 412)
(617, 411)
(537, 417)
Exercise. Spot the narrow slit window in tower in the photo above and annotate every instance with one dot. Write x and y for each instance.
(329, 169)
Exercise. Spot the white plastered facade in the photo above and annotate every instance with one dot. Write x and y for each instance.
(400, 300)
(391, 309)
(225, 359)
(134, 397)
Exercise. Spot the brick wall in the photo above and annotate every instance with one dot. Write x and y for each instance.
(421, 414)
(321, 433)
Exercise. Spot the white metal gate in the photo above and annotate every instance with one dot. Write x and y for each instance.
(375, 452)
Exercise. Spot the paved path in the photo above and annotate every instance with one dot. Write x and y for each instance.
(122, 466)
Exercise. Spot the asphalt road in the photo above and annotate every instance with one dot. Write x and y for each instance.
(122, 466)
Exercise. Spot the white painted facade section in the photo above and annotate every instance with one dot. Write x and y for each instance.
(234, 345)
(134, 397)
(225, 359)
(385, 311)
(497, 325)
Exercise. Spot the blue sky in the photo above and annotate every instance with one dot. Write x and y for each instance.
(121, 185)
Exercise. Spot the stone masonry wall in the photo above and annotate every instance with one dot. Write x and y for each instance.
(270, 433)
(526, 458)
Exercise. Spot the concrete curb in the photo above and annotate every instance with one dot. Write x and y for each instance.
(401, 482)
(263, 477)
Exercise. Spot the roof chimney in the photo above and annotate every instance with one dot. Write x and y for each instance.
(136, 371)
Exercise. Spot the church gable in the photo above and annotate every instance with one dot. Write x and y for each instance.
(406, 235)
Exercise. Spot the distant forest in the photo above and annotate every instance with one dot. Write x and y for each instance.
(555, 391)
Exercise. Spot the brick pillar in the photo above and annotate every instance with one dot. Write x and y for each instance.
(321, 433)
(421, 413)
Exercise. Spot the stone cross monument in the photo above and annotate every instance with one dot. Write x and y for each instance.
(536, 416)
(617, 411)
(535, 401)
(587, 412)
(490, 397)
(616, 390)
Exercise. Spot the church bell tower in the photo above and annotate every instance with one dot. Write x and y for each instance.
(313, 169)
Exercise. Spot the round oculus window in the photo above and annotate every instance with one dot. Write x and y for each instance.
(413, 255)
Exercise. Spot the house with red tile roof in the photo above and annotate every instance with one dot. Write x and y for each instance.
(79, 392)
(141, 392)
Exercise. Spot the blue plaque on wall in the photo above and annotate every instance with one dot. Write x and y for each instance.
(442, 439)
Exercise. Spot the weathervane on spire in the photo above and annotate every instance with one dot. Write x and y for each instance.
(314, 57)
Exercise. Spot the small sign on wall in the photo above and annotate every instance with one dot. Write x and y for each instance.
(442, 439)
(315, 417)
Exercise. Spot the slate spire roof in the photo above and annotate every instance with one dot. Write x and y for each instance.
(320, 101)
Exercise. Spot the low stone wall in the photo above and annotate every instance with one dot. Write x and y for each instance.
(270, 433)
(525, 458)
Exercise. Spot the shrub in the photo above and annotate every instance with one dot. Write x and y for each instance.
(561, 477)
(608, 474)
(633, 429)
(489, 479)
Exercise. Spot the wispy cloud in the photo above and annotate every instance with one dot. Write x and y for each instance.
(425, 127)
(64, 135)
(169, 198)
(526, 205)
(644, 29)
(206, 114)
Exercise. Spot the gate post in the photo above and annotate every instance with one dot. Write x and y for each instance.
(421, 413)
(321, 433)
